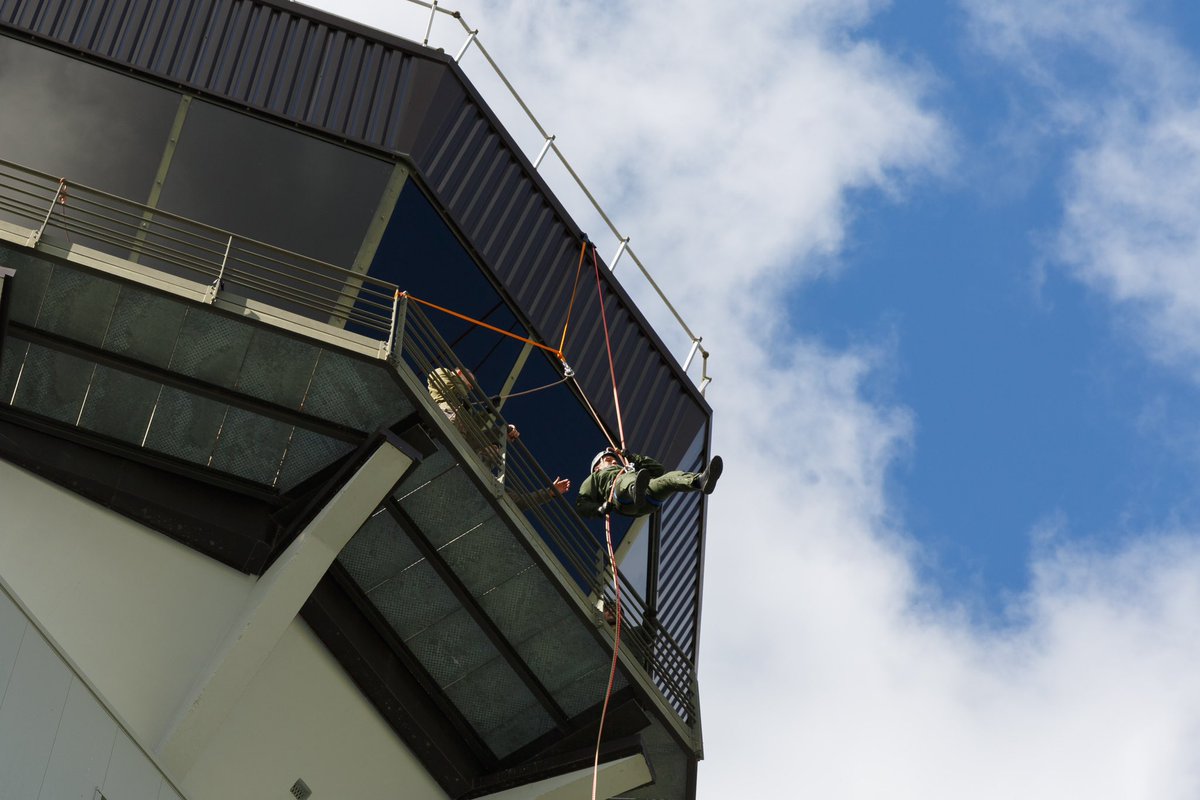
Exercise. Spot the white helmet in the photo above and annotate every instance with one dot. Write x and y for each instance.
(608, 451)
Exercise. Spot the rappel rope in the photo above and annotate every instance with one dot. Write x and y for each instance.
(487, 325)
(618, 449)
(612, 371)
(618, 613)
(612, 557)
(562, 344)
(574, 289)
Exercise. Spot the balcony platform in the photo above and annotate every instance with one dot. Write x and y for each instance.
(218, 420)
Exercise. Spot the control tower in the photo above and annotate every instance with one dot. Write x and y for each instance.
(244, 553)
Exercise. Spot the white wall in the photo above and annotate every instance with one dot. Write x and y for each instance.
(140, 614)
(301, 717)
(56, 740)
(144, 619)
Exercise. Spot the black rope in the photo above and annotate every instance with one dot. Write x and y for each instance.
(563, 379)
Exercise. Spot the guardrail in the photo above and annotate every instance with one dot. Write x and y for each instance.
(550, 145)
(518, 474)
(189, 249)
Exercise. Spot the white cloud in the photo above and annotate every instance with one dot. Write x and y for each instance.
(721, 140)
(858, 696)
(727, 137)
(1131, 227)
(1132, 197)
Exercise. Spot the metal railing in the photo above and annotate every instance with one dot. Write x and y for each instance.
(550, 145)
(422, 349)
(187, 249)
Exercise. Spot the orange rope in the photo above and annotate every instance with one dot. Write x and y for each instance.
(612, 674)
(483, 324)
(596, 417)
(612, 370)
(574, 289)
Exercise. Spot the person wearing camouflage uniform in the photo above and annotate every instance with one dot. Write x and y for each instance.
(451, 390)
(641, 488)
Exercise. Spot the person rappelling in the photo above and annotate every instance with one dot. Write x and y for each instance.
(641, 484)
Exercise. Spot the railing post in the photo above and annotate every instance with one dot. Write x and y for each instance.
(620, 251)
(399, 315)
(692, 353)
(211, 295)
(60, 198)
(463, 50)
(429, 28)
(545, 149)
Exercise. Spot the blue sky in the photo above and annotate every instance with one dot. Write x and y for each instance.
(946, 256)
(1026, 396)
(1030, 401)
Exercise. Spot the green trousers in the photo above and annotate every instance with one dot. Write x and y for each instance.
(659, 489)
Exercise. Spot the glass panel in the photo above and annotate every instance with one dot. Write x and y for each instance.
(420, 253)
(79, 121)
(274, 184)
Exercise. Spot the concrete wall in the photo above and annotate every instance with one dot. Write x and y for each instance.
(140, 614)
(301, 717)
(144, 619)
(56, 739)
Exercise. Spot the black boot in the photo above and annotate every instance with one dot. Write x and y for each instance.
(641, 483)
(708, 479)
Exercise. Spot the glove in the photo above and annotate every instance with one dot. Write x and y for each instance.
(604, 508)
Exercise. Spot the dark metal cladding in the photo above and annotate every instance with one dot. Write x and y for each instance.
(311, 68)
(679, 573)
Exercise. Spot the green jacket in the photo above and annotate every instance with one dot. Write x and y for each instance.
(597, 486)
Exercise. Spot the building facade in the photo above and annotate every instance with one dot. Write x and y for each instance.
(243, 552)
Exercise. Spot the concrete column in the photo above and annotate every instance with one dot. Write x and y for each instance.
(273, 605)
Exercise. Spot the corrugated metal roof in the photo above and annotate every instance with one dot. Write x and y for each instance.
(307, 67)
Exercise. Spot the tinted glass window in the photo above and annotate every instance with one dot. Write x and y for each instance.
(273, 184)
(79, 121)
(422, 255)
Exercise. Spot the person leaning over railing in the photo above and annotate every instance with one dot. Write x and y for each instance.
(480, 425)
(642, 484)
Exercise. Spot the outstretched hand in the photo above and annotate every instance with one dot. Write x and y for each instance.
(562, 485)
